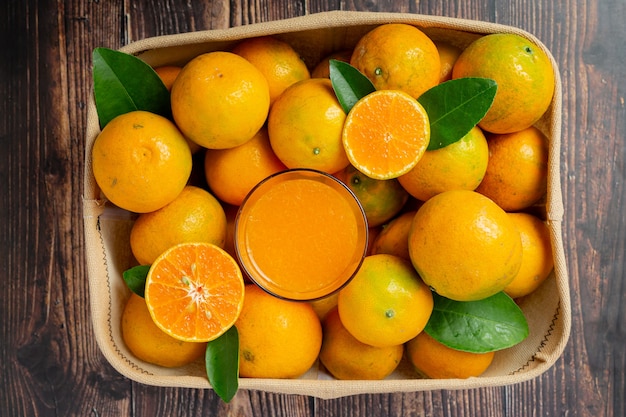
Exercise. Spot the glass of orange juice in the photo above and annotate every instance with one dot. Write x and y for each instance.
(301, 234)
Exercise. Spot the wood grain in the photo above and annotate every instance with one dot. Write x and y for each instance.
(49, 361)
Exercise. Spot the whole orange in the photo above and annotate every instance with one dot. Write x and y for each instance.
(193, 216)
(372, 234)
(305, 126)
(464, 246)
(435, 360)
(232, 173)
(168, 74)
(141, 161)
(458, 166)
(276, 59)
(220, 100)
(348, 359)
(325, 305)
(151, 344)
(381, 199)
(517, 172)
(398, 56)
(448, 55)
(523, 72)
(537, 259)
(386, 303)
(322, 69)
(394, 238)
(277, 338)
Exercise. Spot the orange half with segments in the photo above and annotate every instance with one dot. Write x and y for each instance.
(386, 133)
(194, 291)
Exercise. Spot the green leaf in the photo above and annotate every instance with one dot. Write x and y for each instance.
(222, 364)
(455, 107)
(493, 323)
(349, 83)
(124, 83)
(135, 278)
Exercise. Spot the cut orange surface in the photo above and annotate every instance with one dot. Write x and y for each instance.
(386, 133)
(194, 291)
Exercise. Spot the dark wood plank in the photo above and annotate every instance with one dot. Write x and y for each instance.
(47, 360)
(50, 364)
(589, 53)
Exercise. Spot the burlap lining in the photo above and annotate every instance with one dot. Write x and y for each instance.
(314, 36)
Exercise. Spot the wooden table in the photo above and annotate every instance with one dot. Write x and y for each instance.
(49, 361)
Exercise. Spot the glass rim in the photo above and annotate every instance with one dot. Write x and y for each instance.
(315, 176)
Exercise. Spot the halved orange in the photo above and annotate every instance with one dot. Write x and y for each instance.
(194, 291)
(386, 133)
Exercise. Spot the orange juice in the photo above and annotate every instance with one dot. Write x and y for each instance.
(301, 234)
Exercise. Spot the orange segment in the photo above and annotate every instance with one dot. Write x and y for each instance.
(386, 133)
(194, 291)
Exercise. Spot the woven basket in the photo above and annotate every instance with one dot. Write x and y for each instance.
(314, 36)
